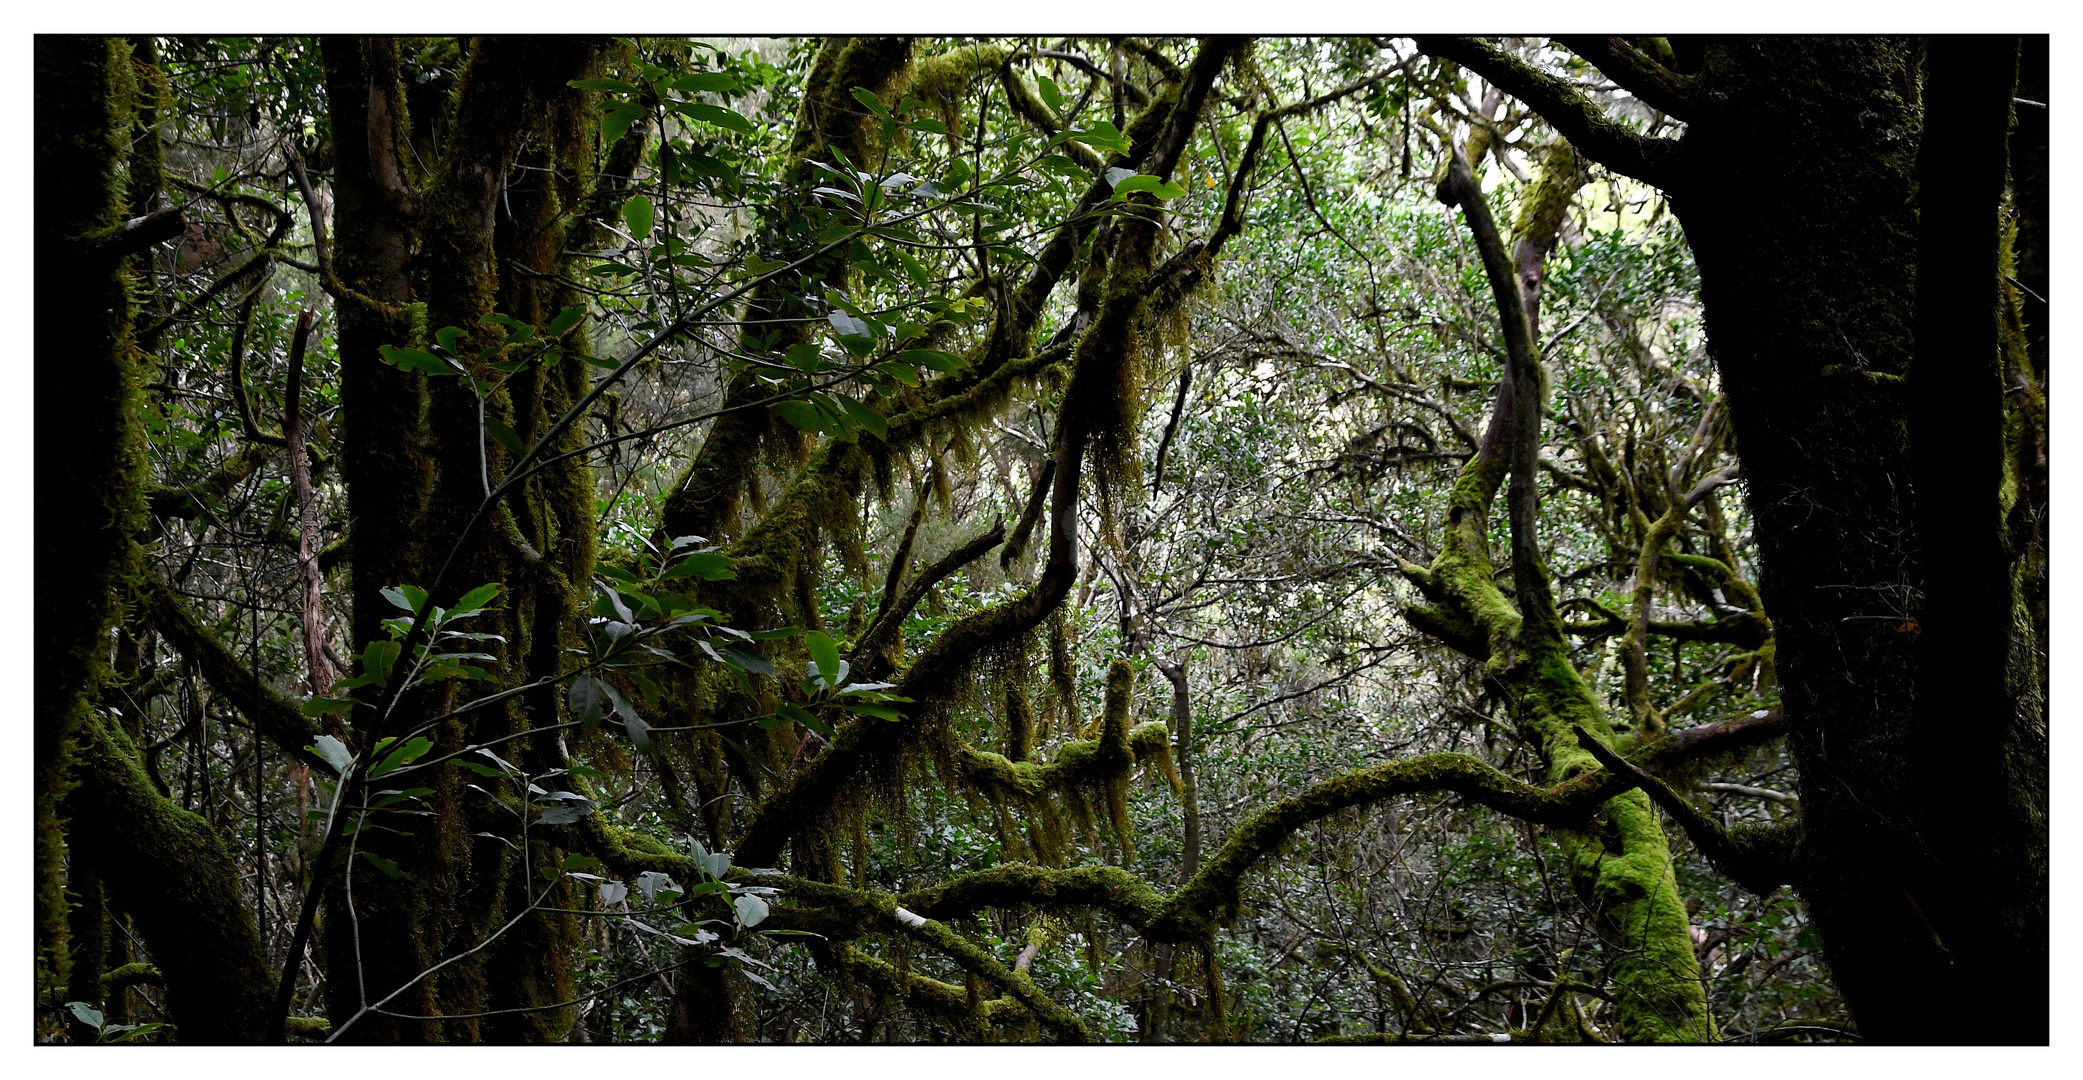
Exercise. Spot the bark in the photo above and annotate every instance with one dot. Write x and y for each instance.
(89, 495)
(1798, 184)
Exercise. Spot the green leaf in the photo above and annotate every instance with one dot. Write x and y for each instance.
(409, 597)
(401, 757)
(707, 565)
(637, 211)
(389, 868)
(864, 416)
(804, 415)
(806, 718)
(705, 82)
(870, 102)
(869, 708)
(321, 706)
(447, 337)
(746, 659)
(1127, 185)
(588, 700)
(1050, 93)
(86, 1014)
(505, 436)
(617, 121)
(475, 600)
(714, 114)
(825, 654)
(1103, 136)
(931, 358)
(567, 319)
(751, 910)
(333, 751)
(414, 360)
(612, 85)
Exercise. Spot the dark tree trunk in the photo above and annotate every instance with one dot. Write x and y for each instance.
(1925, 833)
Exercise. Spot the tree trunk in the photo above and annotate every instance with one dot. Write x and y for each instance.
(1925, 845)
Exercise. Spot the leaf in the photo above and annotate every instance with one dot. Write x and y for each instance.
(401, 757)
(705, 82)
(612, 85)
(714, 114)
(617, 121)
(86, 1014)
(864, 416)
(751, 910)
(1050, 93)
(707, 565)
(389, 868)
(588, 700)
(638, 212)
(567, 319)
(825, 653)
(848, 326)
(614, 892)
(565, 815)
(413, 360)
(409, 597)
(806, 718)
(651, 882)
(320, 706)
(804, 415)
(880, 712)
(1124, 186)
(475, 600)
(869, 101)
(745, 659)
(931, 358)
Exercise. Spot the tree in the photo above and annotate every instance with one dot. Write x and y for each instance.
(676, 397)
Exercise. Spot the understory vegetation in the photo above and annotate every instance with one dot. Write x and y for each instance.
(918, 540)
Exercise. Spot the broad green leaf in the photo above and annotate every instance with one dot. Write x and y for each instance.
(746, 659)
(389, 868)
(505, 436)
(866, 417)
(931, 358)
(475, 600)
(320, 706)
(1124, 186)
(333, 751)
(588, 700)
(401, 757)
(637, 211)
(869, 101)
(804, 415)
(869, 708)
(825, 653)
(413, 360)
(705, 82)
(714, 114)
(806, 718)
(611, 85)
(617, 121)
(86, 1014)
(1050, 93)
(707, 565)
(751, 910)
(567, 319)
(409, 597)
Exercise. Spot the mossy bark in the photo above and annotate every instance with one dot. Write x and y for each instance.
(89, 500)
(481, 238)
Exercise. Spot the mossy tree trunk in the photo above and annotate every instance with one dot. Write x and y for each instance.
(1841, 197)
(426, 243)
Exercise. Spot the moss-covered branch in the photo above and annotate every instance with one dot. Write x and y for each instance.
(273, 715)
(172, 872)
(1577, 117)
(1760, 858)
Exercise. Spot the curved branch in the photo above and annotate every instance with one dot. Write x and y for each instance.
(1577, 117)
(272, 715)
(1617, 58)
(1759, 858)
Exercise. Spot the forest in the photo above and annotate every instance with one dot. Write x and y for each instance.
(1041, 540)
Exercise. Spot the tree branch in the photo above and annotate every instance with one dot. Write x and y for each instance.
(1759, 858)
(1617, 58)
(1577, 117)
